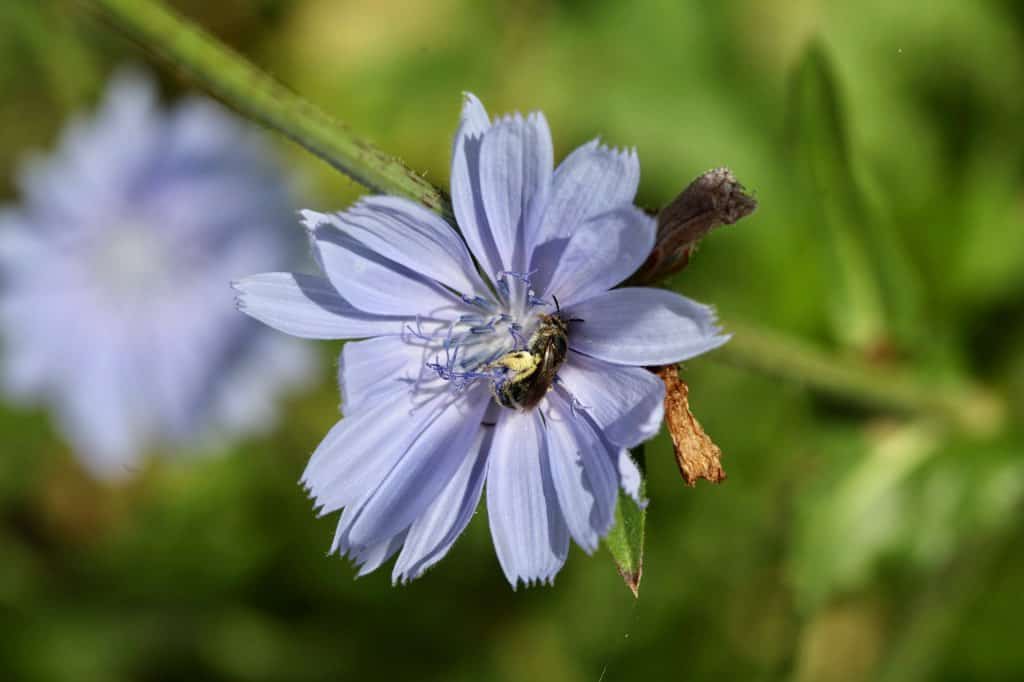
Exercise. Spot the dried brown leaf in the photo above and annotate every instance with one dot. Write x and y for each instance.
(696, 454)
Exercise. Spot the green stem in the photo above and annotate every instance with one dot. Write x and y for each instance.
(255, 94)
(966, 407)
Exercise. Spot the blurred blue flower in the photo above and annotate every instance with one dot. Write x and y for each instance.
(115, 308)
(421, 431)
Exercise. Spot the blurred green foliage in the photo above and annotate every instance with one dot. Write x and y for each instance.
(885, 147)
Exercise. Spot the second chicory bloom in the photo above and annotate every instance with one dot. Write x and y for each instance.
(424, 429)
(114, 309)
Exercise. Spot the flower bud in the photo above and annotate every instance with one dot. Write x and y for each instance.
(714, 198)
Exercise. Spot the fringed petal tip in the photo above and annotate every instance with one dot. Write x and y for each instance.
(239, 296)
(517, 118)
(403, 578)
(620, 153)
(313, 497)
(472, 107)
(545, 580)
(473, 120)
(529, 583)
(597, 144)
(717, 336)
(311, 220)
(242, 298)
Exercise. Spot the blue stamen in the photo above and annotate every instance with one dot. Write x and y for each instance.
(474, 342)
(418, 332)
(531, 296)
(517, 338)
(460, 380)
(478, 301)
(523, 277)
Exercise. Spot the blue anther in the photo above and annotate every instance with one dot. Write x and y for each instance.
(523, 277)
(478, 301)
(519, 343)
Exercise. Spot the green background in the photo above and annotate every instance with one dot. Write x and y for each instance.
(885, 144)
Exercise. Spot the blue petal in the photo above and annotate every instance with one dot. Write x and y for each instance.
(246, 400)
(516, 162)
(529, 531)
(361, 450)
(309, 307)
(34, 353)
(98, 158)
(424, 470)
(592, 180)
(640, 326)
(437, 528)
(605, 250)
(97, 414)
(20, 248)
(627, 402)
(467, 201)
(630, 477)
(340, 545)
(369, 559)
(368, 280)
(412, 236)
(378, 369)
(583, 473)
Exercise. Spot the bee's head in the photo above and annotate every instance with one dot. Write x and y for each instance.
(556, 321)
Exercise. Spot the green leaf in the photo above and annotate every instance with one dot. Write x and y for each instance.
(818, 128)
(626, 539)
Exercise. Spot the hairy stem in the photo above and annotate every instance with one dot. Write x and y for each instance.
(252, 92)
(966, 407)
(255, 94)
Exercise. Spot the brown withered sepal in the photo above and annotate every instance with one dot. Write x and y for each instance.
(714, 198)
(696, 454)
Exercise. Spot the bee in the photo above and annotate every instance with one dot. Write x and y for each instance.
(532, 371)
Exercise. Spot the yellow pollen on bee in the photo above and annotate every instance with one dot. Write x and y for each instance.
(522, 363)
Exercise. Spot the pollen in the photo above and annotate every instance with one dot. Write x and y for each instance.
(518, 361)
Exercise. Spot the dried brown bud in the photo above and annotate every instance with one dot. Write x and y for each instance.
(696, 454)
(715, 198)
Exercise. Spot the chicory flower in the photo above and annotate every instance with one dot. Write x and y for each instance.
(502, 358)
(114, 308)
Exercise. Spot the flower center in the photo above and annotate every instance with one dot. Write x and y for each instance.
(129, 260)
(518, 354)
